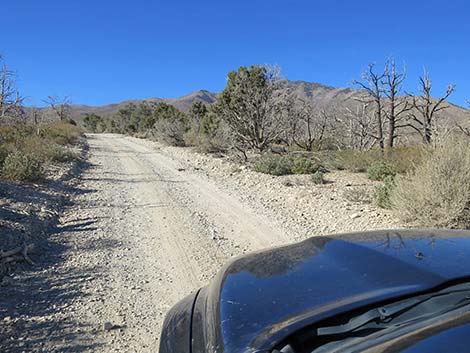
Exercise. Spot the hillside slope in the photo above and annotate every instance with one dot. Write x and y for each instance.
(182, 103)
(320, 95)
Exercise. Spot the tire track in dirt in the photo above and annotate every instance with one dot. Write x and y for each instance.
(160, 231)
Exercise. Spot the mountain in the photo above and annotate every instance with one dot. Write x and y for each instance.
(182, 103)
(328, 97)
(322, 96)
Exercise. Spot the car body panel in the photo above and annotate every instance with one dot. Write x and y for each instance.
(454, 339)
(257, 300)
(176, 332)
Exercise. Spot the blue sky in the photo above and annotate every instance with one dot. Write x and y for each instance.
(103, 51)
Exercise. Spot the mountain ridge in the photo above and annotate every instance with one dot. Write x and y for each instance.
(322, 96)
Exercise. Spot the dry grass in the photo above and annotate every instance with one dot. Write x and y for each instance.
(402, 159)
(437, 192)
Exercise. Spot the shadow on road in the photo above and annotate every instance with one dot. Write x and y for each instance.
(35, 297)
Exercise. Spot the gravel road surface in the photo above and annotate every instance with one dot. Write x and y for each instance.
(148, 225)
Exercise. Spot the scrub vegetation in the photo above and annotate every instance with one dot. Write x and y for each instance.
(29, 143)
(437, 192)
(258, 117)
(27, 150)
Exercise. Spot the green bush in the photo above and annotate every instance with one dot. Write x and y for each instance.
(20, 166)
(274, 165)
(437, 192)
(318, 177)
(303, 165)
(383, 193)
(380, 171)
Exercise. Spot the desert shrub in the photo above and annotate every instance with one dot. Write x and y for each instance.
(62, 133)
(405, 158)
(93, 122)
(304, 165)
(20, 166)
(284, 165)
(204, 143)
(381, 170)
(56, 153)
(318, 177)
(46, 150)
(171, 131)
(3, 155)
(36, 145)
(383, 193)
(360, 194)
(357, 161)
(274, 165)
(15, 134)
(437, 192)
(402, 159)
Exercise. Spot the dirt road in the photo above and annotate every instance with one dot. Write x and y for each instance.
(148, 225)
(147, 232)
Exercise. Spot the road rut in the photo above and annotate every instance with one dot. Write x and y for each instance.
(148, 231)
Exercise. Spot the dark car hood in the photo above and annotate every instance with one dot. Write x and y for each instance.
(259, 299)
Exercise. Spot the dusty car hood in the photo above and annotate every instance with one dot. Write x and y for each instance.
(259, 299)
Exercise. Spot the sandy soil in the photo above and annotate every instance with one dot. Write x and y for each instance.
(149, 224)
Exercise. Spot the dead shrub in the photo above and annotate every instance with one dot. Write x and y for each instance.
(358, 194)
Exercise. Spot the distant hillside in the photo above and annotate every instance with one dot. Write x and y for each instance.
(320, 95)
(339, 98)
(182, 103)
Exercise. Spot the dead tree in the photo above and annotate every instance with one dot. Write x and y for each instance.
(10, 100)
(355, 127)
(371, 83)
(36, 116)
(426, 108)
(60, 106)
(464, 130)
(307, 127)
(397, 106)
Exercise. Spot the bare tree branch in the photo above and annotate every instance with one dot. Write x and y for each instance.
(426, 107)
(11, 102)
(60, 106)
(371, 83)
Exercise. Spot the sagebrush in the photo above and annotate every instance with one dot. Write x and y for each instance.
(25, 150)
(383, 193)
(380, 171)
(437, 192)
(21, 166)
(286, 164)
